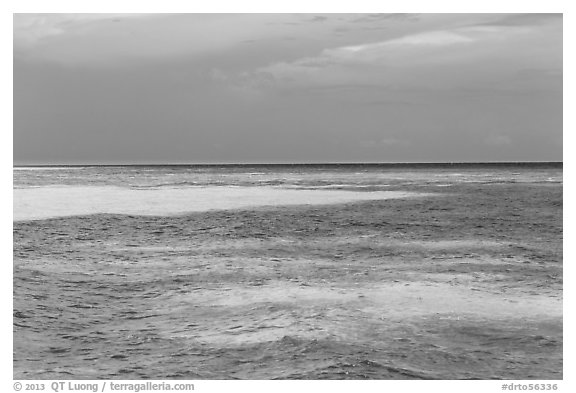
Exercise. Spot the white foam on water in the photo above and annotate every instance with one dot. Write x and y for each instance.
(48, 202)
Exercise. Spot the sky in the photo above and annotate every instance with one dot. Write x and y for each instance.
(274, 88)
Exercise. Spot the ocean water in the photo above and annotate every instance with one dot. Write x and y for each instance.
(44, 192)
(288, 272)
(315, 176)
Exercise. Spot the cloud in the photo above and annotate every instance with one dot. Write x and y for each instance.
(427, 58)
(110, 39)
(334, 65)
(386, 51)
(318, 18)
(376, 51)
(29, 29)
(531, 19)
(401, 17)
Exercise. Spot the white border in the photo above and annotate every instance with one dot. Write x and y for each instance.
(301, 6)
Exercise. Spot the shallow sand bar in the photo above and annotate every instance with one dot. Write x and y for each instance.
(48, 202)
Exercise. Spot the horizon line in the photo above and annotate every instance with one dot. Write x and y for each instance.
(289, 163)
